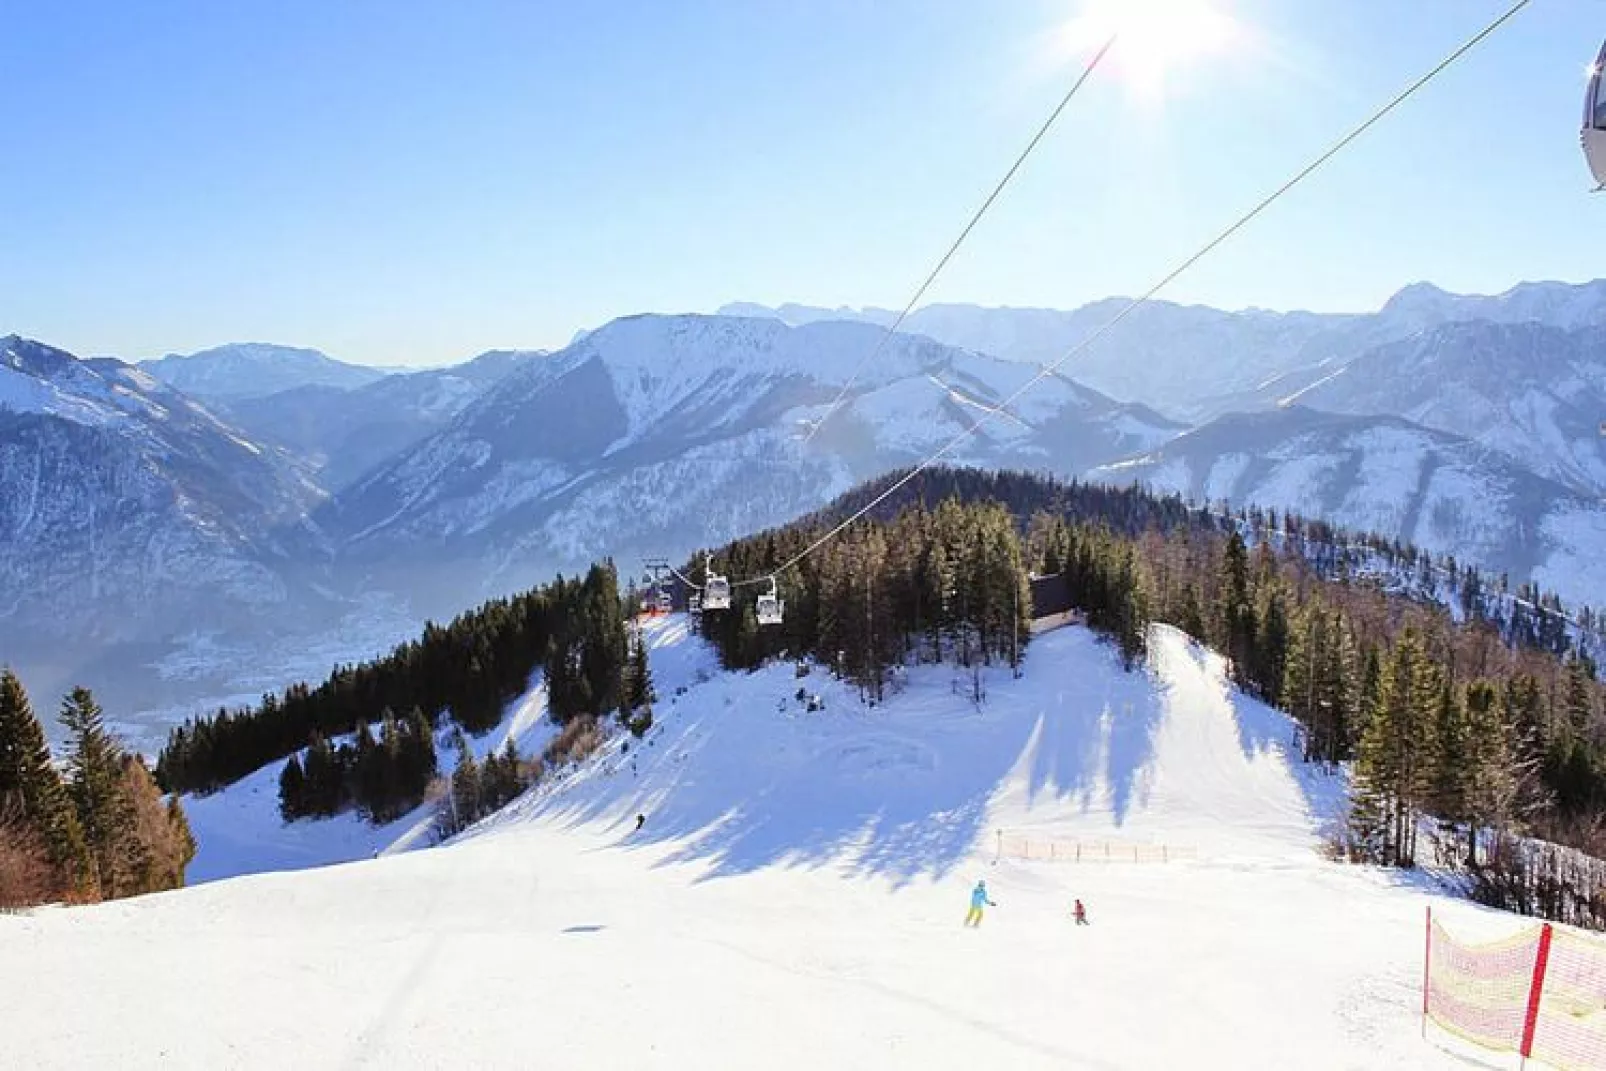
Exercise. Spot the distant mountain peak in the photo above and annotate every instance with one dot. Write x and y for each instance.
(256, 369)
(34, 358)
(268, 351)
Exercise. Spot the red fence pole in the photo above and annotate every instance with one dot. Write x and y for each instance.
(1534, 992)
(1427, 965)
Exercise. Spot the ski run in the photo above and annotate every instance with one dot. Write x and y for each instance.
(795, 898)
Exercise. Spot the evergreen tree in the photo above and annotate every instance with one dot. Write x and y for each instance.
(1272, 642)
(502, 778)
(568, 691)
(1236, 614)
(323, 788)
(1190, 619)
(936, 593)
(370, 775)
(421, 762)
(1298, 689)
(392, 776)
(94, 764)
(602, 652)
(292, 790)
(1580, 696)
(465, 798)
(1131, 617)
(1371, 684)
(1393, 767)
(639, 692)
(1454, 769)
(31, 787)
(1319, 683)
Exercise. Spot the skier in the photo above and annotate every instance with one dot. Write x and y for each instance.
(1080, 914)
(641, 820)
(978, 899)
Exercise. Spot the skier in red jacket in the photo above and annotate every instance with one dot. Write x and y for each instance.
(1079, 913)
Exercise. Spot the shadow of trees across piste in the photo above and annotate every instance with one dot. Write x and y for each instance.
(737, 776)
(1265, 732)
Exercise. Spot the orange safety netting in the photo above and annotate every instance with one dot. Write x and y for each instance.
(1570, 1028)
(1540, 993)
(1480, 992)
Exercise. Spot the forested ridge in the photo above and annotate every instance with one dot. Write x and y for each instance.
(1453, 695)
(1455, 698)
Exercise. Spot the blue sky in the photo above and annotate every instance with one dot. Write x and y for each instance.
(404, 182)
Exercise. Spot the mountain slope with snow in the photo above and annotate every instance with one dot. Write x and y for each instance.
(1386, 475)
(660, 434)
(795, 901)
(254, 370)
(1196, 362)
(239, 831)
(126, 510)
(1175, 358)
(1554, 304)
(1532, 392)
(342, 433)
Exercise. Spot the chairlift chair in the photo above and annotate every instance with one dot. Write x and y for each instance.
(716, 588)
(716, 593)
(770, 607)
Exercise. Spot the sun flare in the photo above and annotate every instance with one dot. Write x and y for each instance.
(1155, 38)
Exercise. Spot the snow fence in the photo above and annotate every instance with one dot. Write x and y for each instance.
(1047, 849)
(1540, 993)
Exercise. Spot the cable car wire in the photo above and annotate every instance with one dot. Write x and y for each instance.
(1209, 247)
(892, 329)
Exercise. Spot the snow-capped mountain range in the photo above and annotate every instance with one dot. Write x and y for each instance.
(1383, 474)
(1194, 362)
(660, 434)
(127, 510)
(1530, 391)
(1176, 358)
(146, 531)
(254, 370)
(343, 432)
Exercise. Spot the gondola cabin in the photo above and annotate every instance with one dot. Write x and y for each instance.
(1594, 133)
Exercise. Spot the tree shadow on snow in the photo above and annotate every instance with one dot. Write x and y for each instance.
(1266, 733)
(1095, 743)
(899, 791)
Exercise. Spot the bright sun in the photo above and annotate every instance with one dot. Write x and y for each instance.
(1155, 37)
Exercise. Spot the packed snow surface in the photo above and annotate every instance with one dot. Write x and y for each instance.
(795, 900)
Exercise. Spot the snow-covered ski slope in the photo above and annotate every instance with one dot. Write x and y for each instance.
(238, 830)
(795, 900)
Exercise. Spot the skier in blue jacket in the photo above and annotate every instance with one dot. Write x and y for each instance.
(978, 899)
